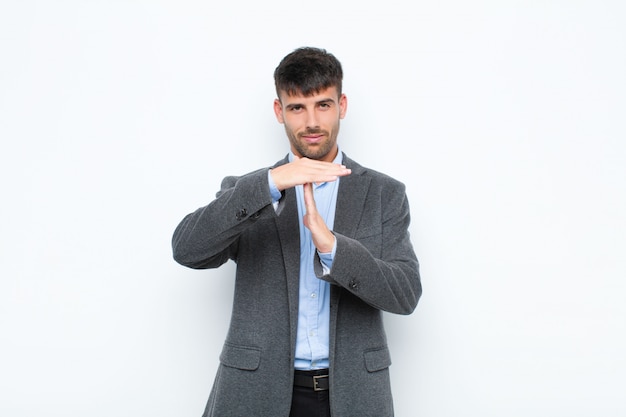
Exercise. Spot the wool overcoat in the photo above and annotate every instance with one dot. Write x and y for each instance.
(375, 269)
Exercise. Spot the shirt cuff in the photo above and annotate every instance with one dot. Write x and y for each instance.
(274, 192)
(326, 259)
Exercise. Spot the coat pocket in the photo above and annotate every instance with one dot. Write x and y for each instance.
(247, 358)
(377, 359)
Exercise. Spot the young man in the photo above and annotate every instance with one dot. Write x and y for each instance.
(322, 248)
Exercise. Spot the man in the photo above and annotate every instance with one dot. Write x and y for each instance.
(322, 248)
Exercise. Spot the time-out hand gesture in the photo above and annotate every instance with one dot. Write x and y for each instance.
(304, 170)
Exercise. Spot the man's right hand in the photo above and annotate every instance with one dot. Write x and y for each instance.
(304, 170)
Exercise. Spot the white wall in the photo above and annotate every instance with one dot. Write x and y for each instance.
(504, 118)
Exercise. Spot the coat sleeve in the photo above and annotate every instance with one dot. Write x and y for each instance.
(208, 237)
(379, 266)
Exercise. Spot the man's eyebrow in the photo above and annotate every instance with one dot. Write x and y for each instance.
(326, 101)
(292, 105)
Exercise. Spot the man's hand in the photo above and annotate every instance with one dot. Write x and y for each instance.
(304, 170)
(323, 239)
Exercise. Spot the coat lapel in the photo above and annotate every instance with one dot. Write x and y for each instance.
(289, 234)
(288, 228)
(350, 199)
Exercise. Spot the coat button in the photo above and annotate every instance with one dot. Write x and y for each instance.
(241, 214)
(353, 284)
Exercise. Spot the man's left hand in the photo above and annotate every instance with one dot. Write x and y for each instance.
(323, 238)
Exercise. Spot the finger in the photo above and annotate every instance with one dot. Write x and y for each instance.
(319, 171)
(309, 199)
(304, 170)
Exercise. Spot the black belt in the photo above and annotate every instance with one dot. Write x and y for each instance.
(317, 380)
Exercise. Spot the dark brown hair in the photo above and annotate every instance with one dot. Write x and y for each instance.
(308, 71)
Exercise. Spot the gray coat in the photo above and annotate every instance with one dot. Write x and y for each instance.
(375, 269)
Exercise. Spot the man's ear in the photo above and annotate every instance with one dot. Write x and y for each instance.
(343, 106)
(278, 111)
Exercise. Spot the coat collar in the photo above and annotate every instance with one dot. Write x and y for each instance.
(351, 198)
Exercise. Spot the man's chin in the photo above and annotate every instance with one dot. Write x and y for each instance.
(315, 152)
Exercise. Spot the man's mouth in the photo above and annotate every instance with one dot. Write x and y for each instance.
(312, 137)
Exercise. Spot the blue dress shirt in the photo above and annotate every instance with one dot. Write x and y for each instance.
(313, 332)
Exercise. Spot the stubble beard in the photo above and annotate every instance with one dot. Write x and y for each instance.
(315, 151)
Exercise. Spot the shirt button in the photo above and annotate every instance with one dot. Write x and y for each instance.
(313, 295)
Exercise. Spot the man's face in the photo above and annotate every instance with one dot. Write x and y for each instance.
(312, 123)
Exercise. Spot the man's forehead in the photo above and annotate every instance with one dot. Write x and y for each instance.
(329, 93)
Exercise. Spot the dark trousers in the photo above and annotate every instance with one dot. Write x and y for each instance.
(306, 402)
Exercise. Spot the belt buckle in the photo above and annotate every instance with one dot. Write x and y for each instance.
(316, 379)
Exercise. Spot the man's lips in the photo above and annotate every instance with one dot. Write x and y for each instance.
(313, 138)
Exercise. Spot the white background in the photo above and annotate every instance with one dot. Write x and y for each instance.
(505, 119)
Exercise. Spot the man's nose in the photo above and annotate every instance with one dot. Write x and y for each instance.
(312, 119)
